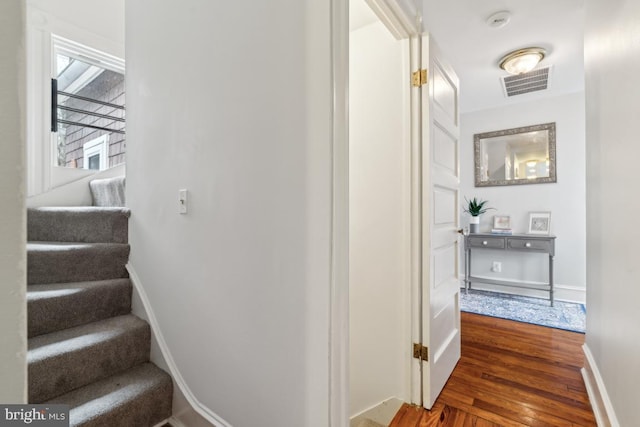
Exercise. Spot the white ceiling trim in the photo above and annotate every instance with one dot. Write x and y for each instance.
(400, 17)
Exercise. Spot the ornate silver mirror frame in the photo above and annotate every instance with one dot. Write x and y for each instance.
(525, 155)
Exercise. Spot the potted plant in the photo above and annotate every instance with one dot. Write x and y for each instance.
(475, 208)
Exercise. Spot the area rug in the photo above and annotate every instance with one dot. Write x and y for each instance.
(563, 315)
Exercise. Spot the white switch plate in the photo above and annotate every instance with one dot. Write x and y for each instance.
(182, 201)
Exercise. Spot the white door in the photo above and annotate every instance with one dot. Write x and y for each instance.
(439, 190)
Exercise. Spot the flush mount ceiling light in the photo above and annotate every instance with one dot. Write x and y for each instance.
(522, 60)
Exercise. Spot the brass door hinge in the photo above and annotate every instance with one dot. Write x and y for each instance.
(419, 78)
(420, 352)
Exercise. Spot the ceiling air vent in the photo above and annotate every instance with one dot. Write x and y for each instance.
(532, 81)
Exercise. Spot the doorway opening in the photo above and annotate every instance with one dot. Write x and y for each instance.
(379, 218)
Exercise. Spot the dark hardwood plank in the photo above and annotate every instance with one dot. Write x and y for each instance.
(409, 415)
(511, 374)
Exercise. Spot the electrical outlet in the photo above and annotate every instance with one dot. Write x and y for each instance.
(182, 201)
(496, 267)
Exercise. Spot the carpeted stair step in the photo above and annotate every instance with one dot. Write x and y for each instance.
(89, 224)
(60, 262)
(65, 360)
(58, 306)
(85, 350)
(138, 397)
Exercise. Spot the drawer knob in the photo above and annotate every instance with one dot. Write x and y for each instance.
(527, 245)
(484, 242)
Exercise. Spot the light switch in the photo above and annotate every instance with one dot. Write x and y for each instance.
(182, 201)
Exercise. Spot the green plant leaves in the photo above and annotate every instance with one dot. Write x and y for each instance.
(476, 206)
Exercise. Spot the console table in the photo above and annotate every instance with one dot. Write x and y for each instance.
(523, 243)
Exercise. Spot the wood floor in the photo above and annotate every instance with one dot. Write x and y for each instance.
(510, 374)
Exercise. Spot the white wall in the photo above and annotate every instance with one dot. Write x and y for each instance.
(13, 236)
(564, 199)
(232, 101)
(612, 53)
(379, 241)
(104, 19)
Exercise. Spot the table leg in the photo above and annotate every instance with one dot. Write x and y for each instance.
(551, 279)
(467, 271)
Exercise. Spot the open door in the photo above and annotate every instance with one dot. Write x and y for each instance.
(437, 188)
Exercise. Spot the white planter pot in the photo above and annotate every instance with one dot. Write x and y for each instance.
(474, 224)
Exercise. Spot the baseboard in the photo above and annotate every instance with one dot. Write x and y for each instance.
(174, 422)
(382, 412)
(566, 293)
(600, 402)
(170, 421)
(203, 411)
(570, 293)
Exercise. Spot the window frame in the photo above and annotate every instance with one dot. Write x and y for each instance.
(84, 53)
(100, 146)
(42, 27)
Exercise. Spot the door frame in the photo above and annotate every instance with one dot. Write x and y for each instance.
(404, 22)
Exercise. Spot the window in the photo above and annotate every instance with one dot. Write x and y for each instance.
(88, 107)
(95, 154)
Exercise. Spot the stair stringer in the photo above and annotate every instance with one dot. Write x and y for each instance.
(187, 409)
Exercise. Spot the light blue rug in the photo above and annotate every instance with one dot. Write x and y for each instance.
(563, 315)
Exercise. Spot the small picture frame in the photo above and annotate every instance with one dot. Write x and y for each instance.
(539, 222)
(501, 222)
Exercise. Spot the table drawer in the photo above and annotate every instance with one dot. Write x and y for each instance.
(529, 244)
(486, 242)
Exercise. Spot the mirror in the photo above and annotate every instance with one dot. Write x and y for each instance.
(525, 155)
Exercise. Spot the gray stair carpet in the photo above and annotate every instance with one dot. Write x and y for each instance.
(58, 262)
(136, 397)
(65, 360)
(59, 306)
(85, 348)
(87, 224)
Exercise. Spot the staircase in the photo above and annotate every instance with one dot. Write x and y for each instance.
(86, 349)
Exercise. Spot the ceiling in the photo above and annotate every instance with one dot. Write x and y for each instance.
(474, 48)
